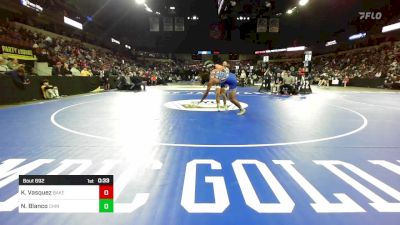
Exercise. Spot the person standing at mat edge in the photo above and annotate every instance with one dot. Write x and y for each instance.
(219, 76)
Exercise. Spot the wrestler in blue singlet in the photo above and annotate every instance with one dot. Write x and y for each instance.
(227, 79)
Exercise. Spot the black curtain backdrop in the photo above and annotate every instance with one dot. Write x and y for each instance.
(10, 92)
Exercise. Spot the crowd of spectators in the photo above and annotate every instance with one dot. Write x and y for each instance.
(73, 58)
(15, 70)
(377, 62)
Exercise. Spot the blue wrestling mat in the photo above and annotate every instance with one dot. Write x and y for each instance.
(328, 158)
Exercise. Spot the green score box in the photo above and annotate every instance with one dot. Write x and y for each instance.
(106, 206)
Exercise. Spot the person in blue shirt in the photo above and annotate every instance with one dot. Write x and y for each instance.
(222, 77)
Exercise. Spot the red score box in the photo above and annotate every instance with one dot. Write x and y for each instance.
(106, 192)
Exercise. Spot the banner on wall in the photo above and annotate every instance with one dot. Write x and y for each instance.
(262, 25)
(154, 24)
(274, 25)
(179, 24)
(15, 52)
(168, 23)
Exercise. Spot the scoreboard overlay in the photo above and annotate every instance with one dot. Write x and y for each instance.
(65, 194)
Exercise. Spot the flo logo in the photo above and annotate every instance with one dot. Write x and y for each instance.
(205, 106)
(370, 15)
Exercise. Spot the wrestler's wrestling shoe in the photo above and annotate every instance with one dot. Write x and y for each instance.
(242, 112)
(222, 108)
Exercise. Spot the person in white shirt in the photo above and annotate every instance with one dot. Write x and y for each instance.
(49, 91)
(75, 71)
(243, 78)
(3, 65)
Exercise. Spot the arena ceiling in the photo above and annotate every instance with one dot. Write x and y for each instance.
(318, 21)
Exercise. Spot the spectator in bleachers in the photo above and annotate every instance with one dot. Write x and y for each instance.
(389, 81)
(3, 31)
(59, 70)
(48, 40)
(19, 77)
(35, 46)
(3, 65)
(75, 70)
(13, 64)
(86, 72)
(66, 70)
(396, 83)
